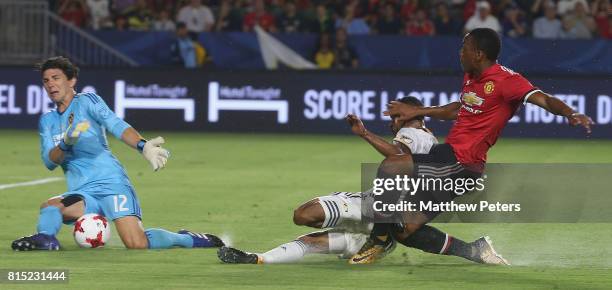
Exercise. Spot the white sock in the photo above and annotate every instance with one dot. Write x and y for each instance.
(286, 253)
(337, 242)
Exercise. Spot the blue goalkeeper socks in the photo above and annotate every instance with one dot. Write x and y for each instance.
(49, 220)
(162, 239)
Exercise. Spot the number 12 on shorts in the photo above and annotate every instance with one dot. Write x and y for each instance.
(120, 201)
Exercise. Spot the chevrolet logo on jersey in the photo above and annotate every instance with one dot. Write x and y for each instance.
(471, 99)
(489, 87)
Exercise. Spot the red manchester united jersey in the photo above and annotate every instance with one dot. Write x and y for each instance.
(487, 103)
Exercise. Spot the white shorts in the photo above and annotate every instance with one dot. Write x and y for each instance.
(343, 212)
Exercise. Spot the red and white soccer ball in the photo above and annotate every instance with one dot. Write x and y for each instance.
(91, 231)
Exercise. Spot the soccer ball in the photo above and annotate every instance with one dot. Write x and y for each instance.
(91, 231)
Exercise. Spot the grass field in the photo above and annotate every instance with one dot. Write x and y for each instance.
(245, 187)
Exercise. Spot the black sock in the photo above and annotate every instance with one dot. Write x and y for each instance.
(427, 239)
(431, 240)
(460, 248)
(380, 233)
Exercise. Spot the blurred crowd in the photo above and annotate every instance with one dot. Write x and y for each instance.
(569, 19)
(333, 20)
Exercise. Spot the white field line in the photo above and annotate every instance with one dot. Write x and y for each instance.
(29, 183)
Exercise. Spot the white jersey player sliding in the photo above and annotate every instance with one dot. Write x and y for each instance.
(339, 214)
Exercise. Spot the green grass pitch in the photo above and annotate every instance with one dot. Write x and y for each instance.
(245, 186)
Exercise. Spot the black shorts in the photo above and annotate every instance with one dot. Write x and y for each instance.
(440, 165)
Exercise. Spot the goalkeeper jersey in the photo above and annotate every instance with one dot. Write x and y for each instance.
(90, 164)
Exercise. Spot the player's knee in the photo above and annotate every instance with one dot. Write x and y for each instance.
(300, 217)
(304, 216)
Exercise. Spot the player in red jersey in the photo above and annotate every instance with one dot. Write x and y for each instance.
(490, 96)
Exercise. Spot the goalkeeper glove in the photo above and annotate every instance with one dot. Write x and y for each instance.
(155, 154)
(72, 135)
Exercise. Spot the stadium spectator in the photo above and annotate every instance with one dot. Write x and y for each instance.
(568, 6)
(336, 7)
(163, 22)
(121, 23)
(74, 11)
(602, 11)
(547, 26)
(197, 17)
(183, 49)
(358, 16)
(323, 22)
(525, 5)
(409, 7)
(139, 16)
(483, 18)
(120, 7)
(158, 6)
(500, 6)
(609, 30)
(201, 53)
(469, 9)
(277, 8)
(444, 23)
(388, 23)
(230, 16)
(350, 23)
(577, 24)
(420, 25)
(99, 12)
(369, 10)
(303, 5)
(514, 23)
(290, 21)
(324, 57)
(344, 56)
(538, 8)
(258, 16)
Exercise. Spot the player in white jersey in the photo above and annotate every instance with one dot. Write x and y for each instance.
(339, 214)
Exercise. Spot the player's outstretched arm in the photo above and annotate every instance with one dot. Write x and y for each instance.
(381, 145)
(131, 137)
(558, 107)
(151, 150)
(102, 114)
(406, 112)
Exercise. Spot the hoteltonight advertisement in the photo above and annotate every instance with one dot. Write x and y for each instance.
(292, 102)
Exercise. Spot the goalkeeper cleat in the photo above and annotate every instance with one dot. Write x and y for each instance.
(235, 256)
(374, 249)
(487, 253)
(36, 242)
(203, 240)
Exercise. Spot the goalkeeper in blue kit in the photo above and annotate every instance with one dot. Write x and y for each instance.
(73, 136)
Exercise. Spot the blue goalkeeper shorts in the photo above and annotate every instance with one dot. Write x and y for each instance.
(111, 201)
